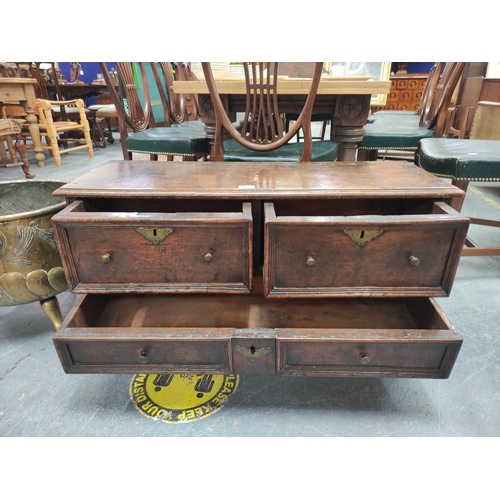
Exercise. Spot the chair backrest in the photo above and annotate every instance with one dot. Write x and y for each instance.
(463, 112)
(436, 111)
(145, 98)
(486, 122)
(176, 103)
(430, 87)
(262, 127)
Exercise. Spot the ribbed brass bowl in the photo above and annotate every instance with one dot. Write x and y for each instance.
(30, 266)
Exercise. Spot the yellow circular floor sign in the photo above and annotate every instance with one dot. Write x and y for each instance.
(181, 398)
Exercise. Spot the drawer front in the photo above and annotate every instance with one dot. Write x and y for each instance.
(361, 256)
(104, 252)
(128, 353)
(250, 334)
(365, 356)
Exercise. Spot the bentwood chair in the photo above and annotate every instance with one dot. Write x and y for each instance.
(395, 132)
(262, 136)
(468, 160)
(146, 121)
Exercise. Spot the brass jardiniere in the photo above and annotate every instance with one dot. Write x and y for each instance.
(30, 265)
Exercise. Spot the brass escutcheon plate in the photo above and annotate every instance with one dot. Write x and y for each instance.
(362, 236)
(155, 234)
(253, 354)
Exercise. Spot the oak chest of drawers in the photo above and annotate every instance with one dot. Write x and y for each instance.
(296, 269)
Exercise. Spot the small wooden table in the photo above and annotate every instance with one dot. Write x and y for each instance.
(23, 90)
(347, 99)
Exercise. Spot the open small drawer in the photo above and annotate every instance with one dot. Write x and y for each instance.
(156, 246)
(159, 333)
(361, 248)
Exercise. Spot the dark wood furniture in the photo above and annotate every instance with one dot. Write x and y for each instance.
(78, 90)
(22, 90)
(405, 93)
(10, 130)
(290, 268)
(146, 116)
(262, 135)
(398, 131)
(468, 160)
(345, 99)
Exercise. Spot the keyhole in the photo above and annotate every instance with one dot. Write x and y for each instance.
(252, 350)
(154, 232)
(362, 235)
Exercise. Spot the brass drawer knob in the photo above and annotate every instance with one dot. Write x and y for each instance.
(414, 261)
(310, 261)
(144, 357)
(365, 359)
(105, 258)
(208, 257)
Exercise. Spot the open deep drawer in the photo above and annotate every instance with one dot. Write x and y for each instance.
(370, 248)
(156, 246)
(159, 333)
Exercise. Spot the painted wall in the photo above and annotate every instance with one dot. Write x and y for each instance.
(90, 71)
(414, 67)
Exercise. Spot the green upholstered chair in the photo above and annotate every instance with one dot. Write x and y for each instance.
(468, 160)
(147, 108)
(262, 136)
(403, 132)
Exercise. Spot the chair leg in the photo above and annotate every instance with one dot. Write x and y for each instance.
(3, 153)
(111, 139)
(88, 140)
(457, 203)
(97, 133)
(21, 149)
(54, 146)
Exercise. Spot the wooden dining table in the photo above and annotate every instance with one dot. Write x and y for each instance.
(347, 99)
(78, 90)
(22, 90)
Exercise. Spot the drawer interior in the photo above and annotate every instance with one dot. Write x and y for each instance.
(160, 205)
(352, 207)
(253, 312)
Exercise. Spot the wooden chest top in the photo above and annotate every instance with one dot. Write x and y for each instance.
(246, 181)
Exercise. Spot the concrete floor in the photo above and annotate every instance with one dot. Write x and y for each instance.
(38, 399)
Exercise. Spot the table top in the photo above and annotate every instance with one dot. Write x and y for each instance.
(77, 90)
(244, 181)
(290, 86)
